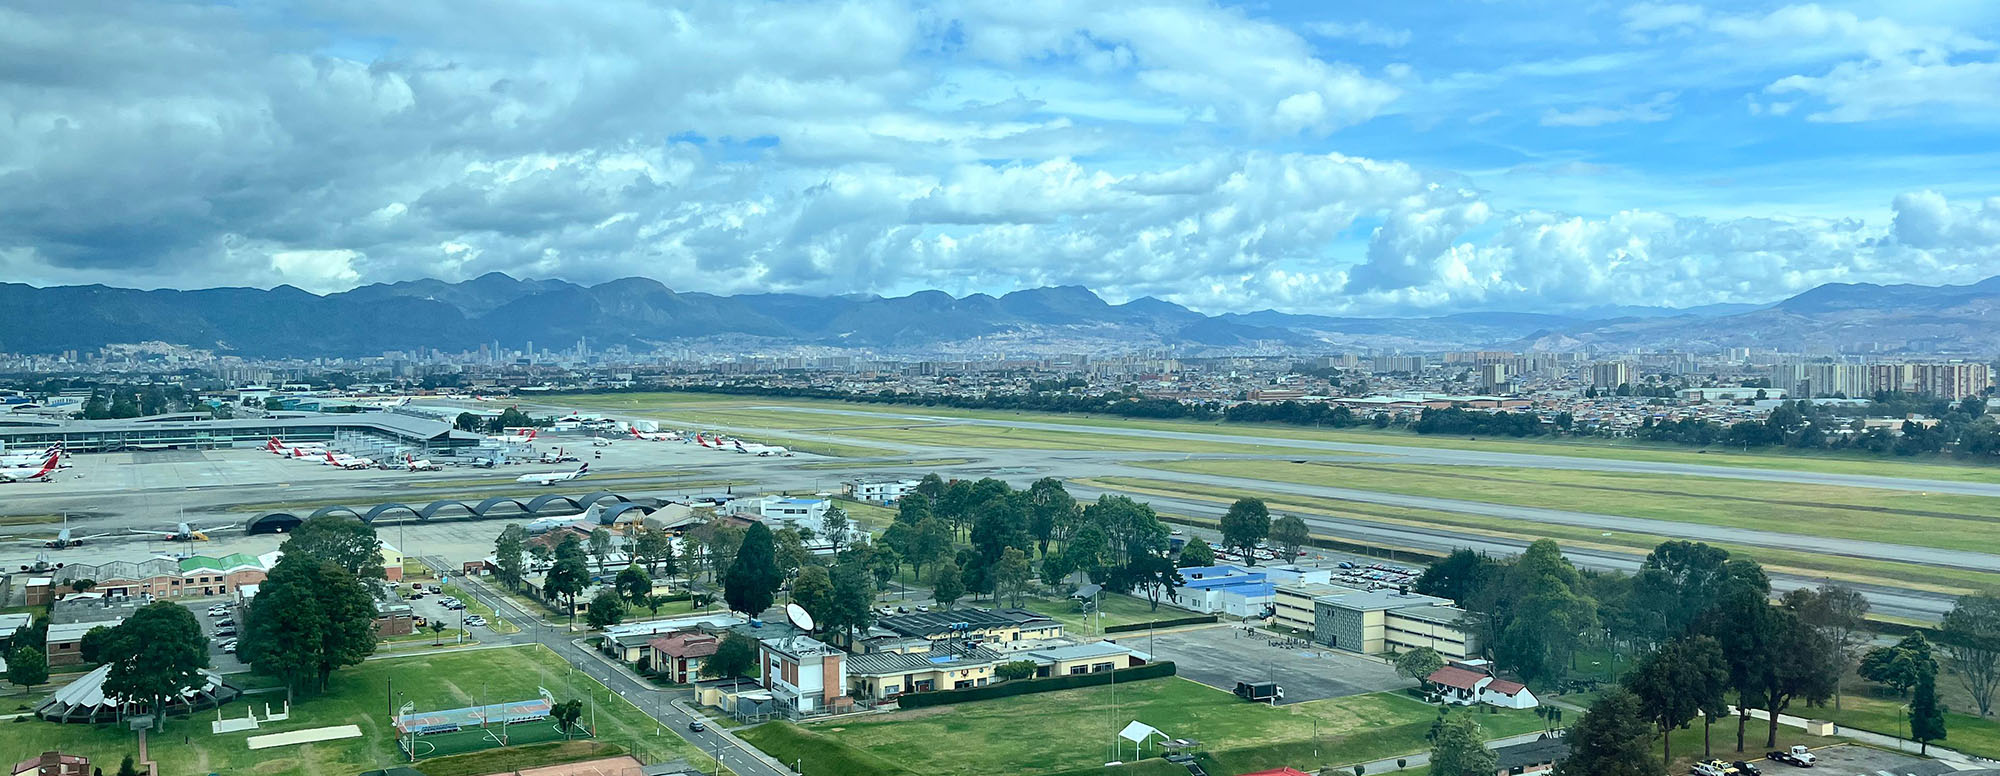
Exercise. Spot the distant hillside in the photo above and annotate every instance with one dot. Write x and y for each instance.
(642, 313)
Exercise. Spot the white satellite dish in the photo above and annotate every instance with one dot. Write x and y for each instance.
(801, 619)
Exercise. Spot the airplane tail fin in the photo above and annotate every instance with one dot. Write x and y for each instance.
(48, 465)
(583, 470)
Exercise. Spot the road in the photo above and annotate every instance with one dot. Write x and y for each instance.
(665, 707)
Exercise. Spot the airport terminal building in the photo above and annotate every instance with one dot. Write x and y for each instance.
(194, 430)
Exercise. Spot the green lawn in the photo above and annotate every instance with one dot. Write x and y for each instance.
(1939, 578)
(1000, 438)
(1116, 609)
(1865, 514)
(359, 696)
(921, 463)
(1073, 730)
(494, 621)
(1833, 463)
(1969, 733)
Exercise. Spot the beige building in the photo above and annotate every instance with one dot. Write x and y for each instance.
(880, 675)
(1390, 621)
(982, 625)
(1294, 604)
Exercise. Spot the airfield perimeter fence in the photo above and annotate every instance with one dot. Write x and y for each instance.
(1027, 686)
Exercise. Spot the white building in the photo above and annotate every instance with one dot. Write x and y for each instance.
(1467, 683)
(881, 492)
(807, 676)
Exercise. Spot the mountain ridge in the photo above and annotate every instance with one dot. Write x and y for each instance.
(643, 313)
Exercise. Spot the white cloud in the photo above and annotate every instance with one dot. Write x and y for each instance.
(1659, 108)
(1363, 32)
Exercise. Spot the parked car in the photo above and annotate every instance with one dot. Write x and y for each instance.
(475, 620)
(1745, 769)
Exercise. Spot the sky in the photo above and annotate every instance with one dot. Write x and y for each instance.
(1331, 157)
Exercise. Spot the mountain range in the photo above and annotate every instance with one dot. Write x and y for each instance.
(642, 314)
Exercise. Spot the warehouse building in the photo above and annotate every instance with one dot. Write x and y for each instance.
(1391, 620)
(195, 430)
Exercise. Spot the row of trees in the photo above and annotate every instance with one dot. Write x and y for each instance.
(1709, 638)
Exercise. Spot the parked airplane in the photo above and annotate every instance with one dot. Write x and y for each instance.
(30, 458)
(183, 532)
(517, 435)
(63, 539)
(551, 478)
(654, 436)
(31, 473)
(419, 464)
(347, 461)
(294, 451)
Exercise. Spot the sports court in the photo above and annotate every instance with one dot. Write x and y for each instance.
(477, 728)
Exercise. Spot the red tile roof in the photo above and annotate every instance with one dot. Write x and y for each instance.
(685, 644)
(1453, 676)
(1505, 687)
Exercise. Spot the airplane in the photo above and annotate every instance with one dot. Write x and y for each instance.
(653, 436)
(551, 478)
(183, 532)
(599, 442)
(347, 461)
(31, 473)
(765, 451)
(63, 539)
(419, 464)
(30, 458)
(516, 436)
(293, 451)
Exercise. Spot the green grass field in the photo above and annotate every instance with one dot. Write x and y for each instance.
(1866, 514)
(1073, 730)
(921, 463)
(1833, 463)
(1116, 609)
(359, 696)
(1804, 563)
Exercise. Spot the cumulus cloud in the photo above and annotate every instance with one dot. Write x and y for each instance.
(1180, 149)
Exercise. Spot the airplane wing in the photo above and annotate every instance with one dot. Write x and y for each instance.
(152, 533)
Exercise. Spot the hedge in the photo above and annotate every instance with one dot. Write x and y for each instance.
(1199, 619)
(1026, 686)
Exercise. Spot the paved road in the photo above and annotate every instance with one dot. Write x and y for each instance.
(669, 708)
(1457, 457)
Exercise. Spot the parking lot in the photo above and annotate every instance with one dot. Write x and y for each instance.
(1224, 655)
(432, 607)
(219, 660)
(1859, 761)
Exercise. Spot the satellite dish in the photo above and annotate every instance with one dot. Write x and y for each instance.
(801, 619)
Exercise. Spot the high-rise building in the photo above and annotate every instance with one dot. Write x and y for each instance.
(1610, 374)
(1492, 376)
(1953, 381)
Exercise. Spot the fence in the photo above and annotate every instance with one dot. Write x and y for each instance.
(1027, 686)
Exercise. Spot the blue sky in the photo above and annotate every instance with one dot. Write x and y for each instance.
(1322, 157)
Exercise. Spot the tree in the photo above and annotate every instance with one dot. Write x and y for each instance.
(1456, 576)
(654, 548)
(929, 545)
(1742, 622)
(94, 644)
(1801, 665)
(1548, 615)
(1011, 574)
(788, 546)
(1419, 663)
(1971, 636)
(1678, 583)
(310, 618)
(1246, 523)
(436, 628)
(1459, 748)
(813, 590)
(1676, 683)
(1015, 669)
(508, 555)
(950, 584)
(600, 546)
(1611, 740)
(127, 768)
(467, 421)
(345, 541)
(752, 582)
(158, 653)
(1902, 665)
(1926, 714)
(1196, 554)
(566, 714)
(634, 584)
(834, 526)
(654, 602)
(853, 604)
(607, 608)
(1052, 511)
(734, 656)
(1290, 533)
(1837, 611)
(27, 667)
(567, 578)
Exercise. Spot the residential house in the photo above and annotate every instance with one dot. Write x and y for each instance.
(1537, 756)
(1466, 683)
(677, 657)
(1092, 658)
(53, 764)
